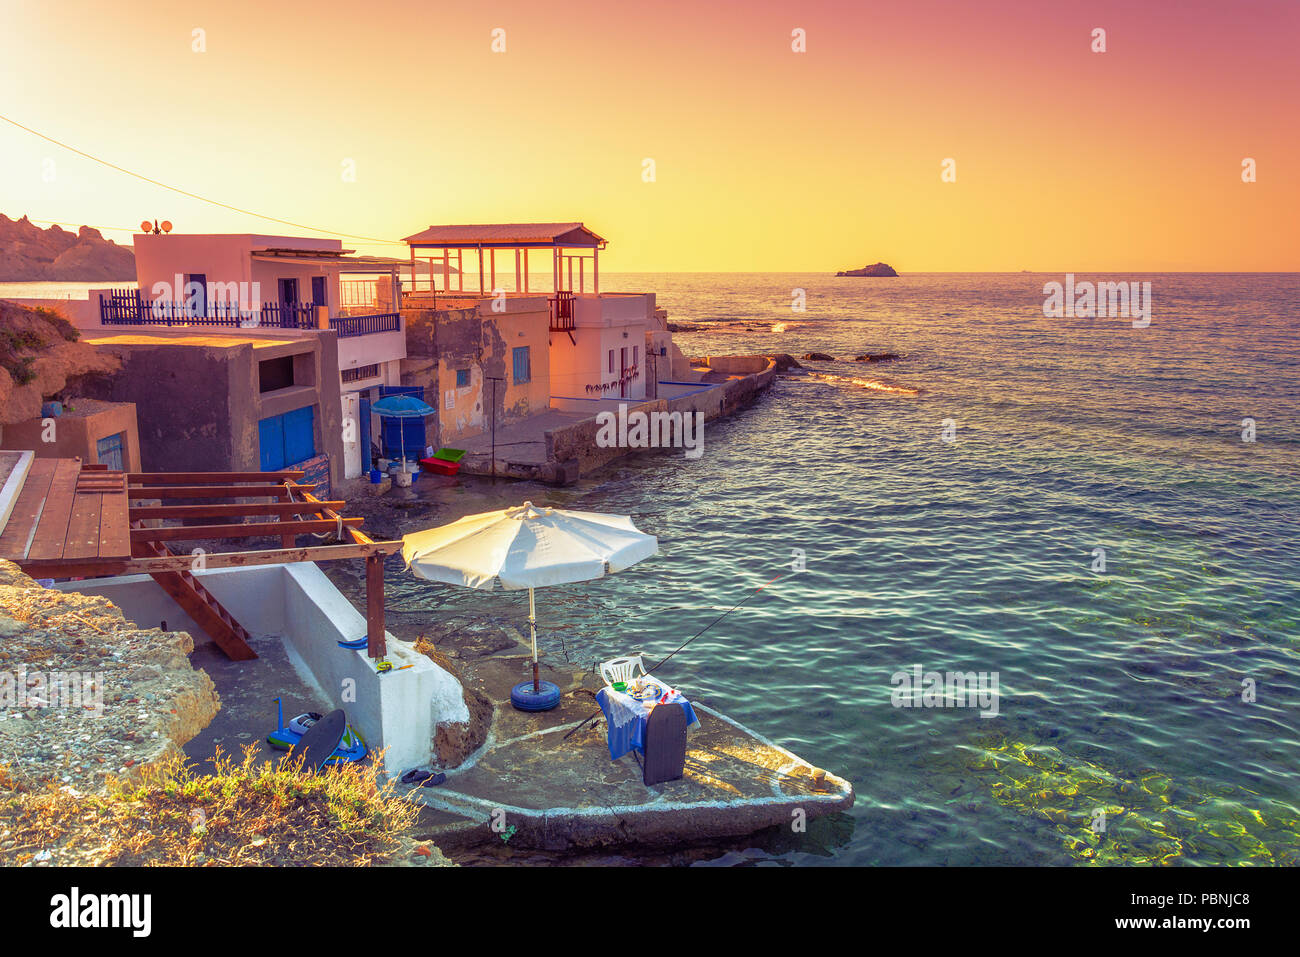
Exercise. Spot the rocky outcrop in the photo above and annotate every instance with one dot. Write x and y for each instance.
(817, 357)
(85, 693)
(875, 269)
(31, 254)
(877, 357)
(39, 354)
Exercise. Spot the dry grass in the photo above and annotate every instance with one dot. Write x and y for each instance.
(425, 646)
(24, 333)
(240, 815)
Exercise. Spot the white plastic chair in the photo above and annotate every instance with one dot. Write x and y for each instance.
(621, 669)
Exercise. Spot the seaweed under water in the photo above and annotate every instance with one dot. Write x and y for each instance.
(1103, 817)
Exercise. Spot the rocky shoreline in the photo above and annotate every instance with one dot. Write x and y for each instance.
(140, 699)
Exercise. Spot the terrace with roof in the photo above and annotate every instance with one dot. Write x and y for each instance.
(598, 341)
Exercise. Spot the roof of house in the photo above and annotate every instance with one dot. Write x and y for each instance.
(188, 340)
(311, 257)
(507, 234)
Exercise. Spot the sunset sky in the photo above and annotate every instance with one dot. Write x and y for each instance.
(765, 159)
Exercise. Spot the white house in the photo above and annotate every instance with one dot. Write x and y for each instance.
(238, 282)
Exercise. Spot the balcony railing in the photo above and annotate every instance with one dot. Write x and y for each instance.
(562, 311)
(126, 307)
(365, 325)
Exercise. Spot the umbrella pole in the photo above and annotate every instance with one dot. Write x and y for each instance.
(532, 627)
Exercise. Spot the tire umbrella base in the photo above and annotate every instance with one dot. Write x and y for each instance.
(524, 698)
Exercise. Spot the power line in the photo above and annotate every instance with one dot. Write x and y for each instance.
(185, 192)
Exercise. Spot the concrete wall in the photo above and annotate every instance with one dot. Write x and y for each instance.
(526, 322)
(197, 396)
(183, 405)
(377, 348)
(77, 433)
(399, 711)
(573, 448)
(576, 443)
(438, 342)
(441, 341)
(575, 365)
(737, 365)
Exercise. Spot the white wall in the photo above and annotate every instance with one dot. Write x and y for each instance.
(377, 347)
(398, 711)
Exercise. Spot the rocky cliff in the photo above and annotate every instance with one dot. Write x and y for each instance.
(31, 254)
(39, 354)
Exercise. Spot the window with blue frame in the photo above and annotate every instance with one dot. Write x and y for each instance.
(109, 451)
(287, 439)
(523, 366)
(462, 378)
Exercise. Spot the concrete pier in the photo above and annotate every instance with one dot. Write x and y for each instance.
(559, 794)
(560, 445)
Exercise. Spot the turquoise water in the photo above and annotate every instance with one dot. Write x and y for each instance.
(1121, 692)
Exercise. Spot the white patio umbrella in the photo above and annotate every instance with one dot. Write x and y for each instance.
(527, 547)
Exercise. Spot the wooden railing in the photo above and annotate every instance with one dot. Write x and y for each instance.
(562, 311)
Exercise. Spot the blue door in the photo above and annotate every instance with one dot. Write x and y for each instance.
(287, 439)
(299, 440)
(270, 440)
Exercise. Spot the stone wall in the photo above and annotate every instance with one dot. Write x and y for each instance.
(181, 395)
(439, 342)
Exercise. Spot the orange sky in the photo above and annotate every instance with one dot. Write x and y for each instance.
(765, 159)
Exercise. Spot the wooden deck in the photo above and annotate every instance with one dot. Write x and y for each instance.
(74, 520)
(66, 515)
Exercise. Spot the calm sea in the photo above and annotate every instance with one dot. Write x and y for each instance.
(1148, 712)
(1123, 733)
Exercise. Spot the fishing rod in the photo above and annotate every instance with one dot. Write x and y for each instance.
(742, 601)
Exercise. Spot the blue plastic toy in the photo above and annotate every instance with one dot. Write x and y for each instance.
(351, 748)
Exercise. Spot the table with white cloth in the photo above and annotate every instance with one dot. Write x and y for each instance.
(626, 714)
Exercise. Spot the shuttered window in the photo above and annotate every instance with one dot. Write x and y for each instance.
(109, 451)
(523, 367)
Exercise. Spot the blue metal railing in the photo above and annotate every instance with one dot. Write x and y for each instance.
(126, 307)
